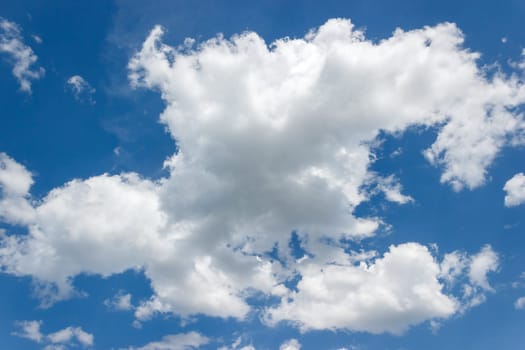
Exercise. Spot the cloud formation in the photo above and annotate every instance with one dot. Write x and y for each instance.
(291, 344)
(15, 182)
(81, 89)
(274, 139)
(515, 190)
(121, 302)
(19, 55)
(387, 294)
(184, 341)
(519, 304)
(59, 340)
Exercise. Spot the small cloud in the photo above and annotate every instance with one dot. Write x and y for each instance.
(37, 39)
(396, 153)
(237, 345)
(69, 335)
(520, 303)
(435, 326)
(81, 89)
(185, 341)
(57, 340)
(29, 330)
(515, 190)
(291, 344)
(120, 301)
(391, 188)
(504, 40)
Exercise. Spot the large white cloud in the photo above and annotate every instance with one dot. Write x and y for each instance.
(275, 139)
(387, 294)
(19, 54)
(515, 190)
(303, 108)
(108, 224)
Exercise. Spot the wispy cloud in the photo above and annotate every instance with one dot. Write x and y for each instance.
(56, 340)
(81, 89)
(19, 55)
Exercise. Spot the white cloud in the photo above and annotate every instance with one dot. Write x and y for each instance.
(121, 218)
(386, 295)
(15, 182)
(237, 345)
(19, 54)
(70, 334)
(333, 90)
(29, 330)
(453, 266)
(457, 266)
(186, 341)
(291, 344)
(392, 189)
(37, 39)
(273, 140)
(480, 265)
(57, 340)
(520, 303)
(515, 190)
(121, 301)
(81, 89)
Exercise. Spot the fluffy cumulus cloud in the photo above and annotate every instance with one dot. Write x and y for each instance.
(121, 218)
(274, 139)
(515, 190)
(387, 294)
(20, 55)
(81, 89)
(62, 339)
(327, 94)
(185, 341)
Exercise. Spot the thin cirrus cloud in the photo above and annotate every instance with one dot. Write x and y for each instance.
(273, 139)
(21, 56)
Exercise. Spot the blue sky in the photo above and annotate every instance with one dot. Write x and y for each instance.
(262, 175)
